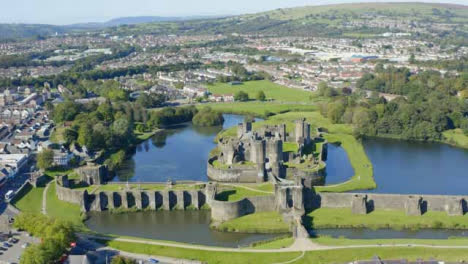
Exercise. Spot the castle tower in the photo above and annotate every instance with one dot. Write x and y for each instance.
(299, 129)
(228, 152)
(257, 155)
(243, 128)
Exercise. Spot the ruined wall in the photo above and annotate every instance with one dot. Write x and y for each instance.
(223, 211)
(453, 205)
(232, 175)
(153, 200)
(69, 195)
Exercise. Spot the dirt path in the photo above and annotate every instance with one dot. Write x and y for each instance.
(247, 188)
(44, 198)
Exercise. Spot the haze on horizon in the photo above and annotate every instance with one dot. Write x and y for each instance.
(61, 12)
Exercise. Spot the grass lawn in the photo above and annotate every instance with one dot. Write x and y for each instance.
(363, 172)
(316, 257)
(260, 109)
(62, 210)
(455, 241)
(235, 193)
(343, 218)
(57, 134)
(272, 91)
(456, 137)
(58, 171)
(290, 147)
(264, 222)
(274, 244)
(30, 200)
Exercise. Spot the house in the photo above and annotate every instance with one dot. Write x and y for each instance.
(62, 157)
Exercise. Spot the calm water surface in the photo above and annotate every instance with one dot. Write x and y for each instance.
(414, 167)
(180, 226)
(178, 153)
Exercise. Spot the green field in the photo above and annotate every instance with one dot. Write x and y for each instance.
(282, 242)
(343, 218)
(456, 137)
(260, 109)
(264, 222)
(272, 91)
(453, 241)
(62, 210)
(235, 193)
(30, 200)
(363, 173)
(316, 257)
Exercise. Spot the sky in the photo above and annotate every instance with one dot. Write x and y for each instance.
(62, 12)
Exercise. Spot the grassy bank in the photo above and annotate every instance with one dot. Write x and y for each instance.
(343, 218)
(29, 200)
(456, 137)
(329, 241)
(363, 172)
(233, 193)
(280, 242)
(62, 210)
(319, 257)
(264, 222)
(259, 109)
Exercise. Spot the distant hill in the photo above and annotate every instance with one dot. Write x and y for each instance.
(326, 20)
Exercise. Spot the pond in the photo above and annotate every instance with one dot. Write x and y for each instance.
(180, 226)
(407, 167)
(177, 153)
(338, 168)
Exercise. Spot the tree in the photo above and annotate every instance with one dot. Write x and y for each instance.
(261, 96)
(241, 96)
(122, 260)
(45, 159)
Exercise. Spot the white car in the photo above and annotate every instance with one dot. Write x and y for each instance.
(25, 245)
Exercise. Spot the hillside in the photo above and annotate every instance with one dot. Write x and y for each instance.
(359, 19)
(328, 21)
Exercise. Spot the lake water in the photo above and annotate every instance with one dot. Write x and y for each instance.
(178, 153)
(180, 226)
(417, 168)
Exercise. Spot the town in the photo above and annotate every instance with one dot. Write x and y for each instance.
(319, 134)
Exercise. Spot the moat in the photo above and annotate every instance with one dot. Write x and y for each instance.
(181, 153)
(181, 226)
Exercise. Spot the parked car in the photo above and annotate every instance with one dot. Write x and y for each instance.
(25, 245)
(152, 260)
(3, 248)
(13, 240)
(6, 244)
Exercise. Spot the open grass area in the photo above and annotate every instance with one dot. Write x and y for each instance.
(290, 147)
(329, 241)
(316, 257)
(29, 200)
(363, 172)
(456, 137)
(57, 134)
(282, 242)
(62, 210)
(233, 193)
(343, 218)
(261, 109)
(54, 172)
(272, 91)
(264, 222)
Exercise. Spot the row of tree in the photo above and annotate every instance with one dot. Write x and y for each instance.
(56, 236)
(422, 117)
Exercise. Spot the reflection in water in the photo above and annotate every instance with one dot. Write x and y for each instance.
(179, 226)
(338, 168)
(177, 153)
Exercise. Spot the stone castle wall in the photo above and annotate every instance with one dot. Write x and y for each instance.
(223, 211)
(69, 195)
(248, 175)
(453, 205)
